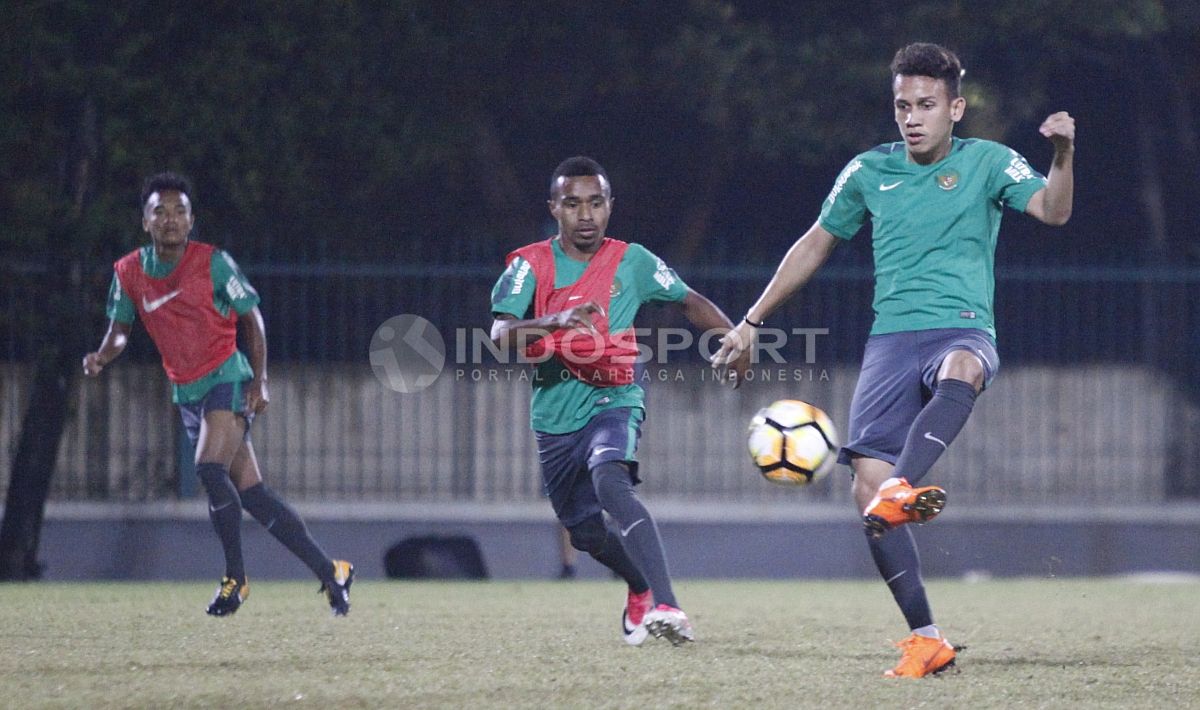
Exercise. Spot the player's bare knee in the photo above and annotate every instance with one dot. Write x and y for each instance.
(964, 366)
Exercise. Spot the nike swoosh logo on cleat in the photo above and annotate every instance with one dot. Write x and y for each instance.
(152, 306)
(934, 439)
(885, 188)
(625, 531)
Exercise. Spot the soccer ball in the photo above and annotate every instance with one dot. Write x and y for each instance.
(792, 442)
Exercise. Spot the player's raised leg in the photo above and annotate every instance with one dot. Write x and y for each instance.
(960, 375)
(286, 525)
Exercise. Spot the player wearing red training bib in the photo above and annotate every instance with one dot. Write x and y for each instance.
(569, 303)
(192, 297)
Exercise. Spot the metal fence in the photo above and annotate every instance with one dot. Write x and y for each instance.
(1097, 395)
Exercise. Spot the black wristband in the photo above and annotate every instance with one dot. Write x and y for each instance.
(756, 325)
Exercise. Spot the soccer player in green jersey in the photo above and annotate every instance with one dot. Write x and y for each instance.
(192, 297)
(935, 203)
(569, 302)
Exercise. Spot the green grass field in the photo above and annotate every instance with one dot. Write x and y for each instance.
(1044, 643)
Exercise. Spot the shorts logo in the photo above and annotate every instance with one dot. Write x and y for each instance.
(947, 180)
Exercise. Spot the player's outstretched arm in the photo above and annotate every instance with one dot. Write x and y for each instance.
(255, 331)
(110, 347)
(797, 267)
(707, 316)
(1052, 204)
(509, 332)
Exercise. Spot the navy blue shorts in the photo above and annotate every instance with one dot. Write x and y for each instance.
(567, 460)
(899, 372)
(226, 396)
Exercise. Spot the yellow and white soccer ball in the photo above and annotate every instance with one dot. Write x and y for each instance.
(793, 442)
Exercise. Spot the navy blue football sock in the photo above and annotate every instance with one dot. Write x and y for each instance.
(285, 524)
(638, 532)
(898, 562)
(225, 512)
(934, 428)
(604, 545)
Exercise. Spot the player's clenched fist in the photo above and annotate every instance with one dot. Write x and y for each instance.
(1060, 129)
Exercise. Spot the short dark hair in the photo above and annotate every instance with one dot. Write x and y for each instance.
(578, 166)
(165, 181)
(932, 60)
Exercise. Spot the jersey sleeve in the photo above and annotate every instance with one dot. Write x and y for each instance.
(231, 288)
(656, 280)
(513, 293)
(844, 210)
(1014, 181)
(120, 308)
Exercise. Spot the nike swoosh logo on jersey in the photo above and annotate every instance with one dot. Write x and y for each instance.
(885, 188)
(151, 306)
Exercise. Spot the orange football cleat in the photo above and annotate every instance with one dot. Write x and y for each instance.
(923, 656)
(898, 503)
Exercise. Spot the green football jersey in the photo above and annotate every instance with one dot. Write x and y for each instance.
(933, 227)
(562, 403)
(231, 290)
